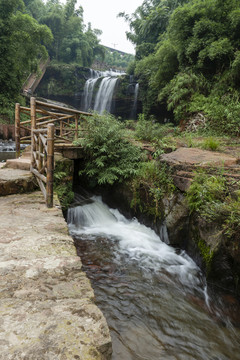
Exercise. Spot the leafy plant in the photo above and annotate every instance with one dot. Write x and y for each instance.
(211, 143)
(150, 130)
(205, 193)
(110, 156)
(210, 197)
(151, 183)
(63, 182)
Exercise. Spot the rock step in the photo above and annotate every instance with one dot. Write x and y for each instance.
(21, 163)
(16, 181)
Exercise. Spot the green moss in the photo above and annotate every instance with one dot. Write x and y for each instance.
(207, 254)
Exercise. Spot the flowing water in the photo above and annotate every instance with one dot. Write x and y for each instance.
(102, 100)
(155, 299)
(7, 150)
(104, 95)
(134, 108)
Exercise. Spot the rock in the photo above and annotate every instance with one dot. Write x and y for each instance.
(194, 156)
(47, 309)
(16, 181)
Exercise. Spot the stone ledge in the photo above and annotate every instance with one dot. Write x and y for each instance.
(47, 310)
(16, 181)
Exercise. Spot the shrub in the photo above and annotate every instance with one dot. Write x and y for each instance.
(110, 157)
(151, 183)
(211, 144)
(150, 130)
(206, 193)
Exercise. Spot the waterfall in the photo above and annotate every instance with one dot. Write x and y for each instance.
(134, 108)
(104, 95)
(103, 98)
(88, 89)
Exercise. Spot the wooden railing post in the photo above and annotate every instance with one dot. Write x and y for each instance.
(33, 127)
(50, 165)
(76, 127)
(17, 129)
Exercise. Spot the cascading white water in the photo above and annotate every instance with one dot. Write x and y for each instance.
(134, 108)
(136, 240)
(155, 299)
(88, 93)
(103, 98)
(104, 95)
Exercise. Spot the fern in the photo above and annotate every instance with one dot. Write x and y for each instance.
(110, 157)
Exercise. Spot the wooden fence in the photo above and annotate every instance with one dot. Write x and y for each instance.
(48, 126)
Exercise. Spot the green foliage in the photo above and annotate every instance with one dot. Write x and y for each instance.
(63, 183)
(211, 143)
(180, 90)
(152, 182)
(22, 41)
(73, 41)
(210, 197)
(110, 156)
(205, 193)
(116, 60)
(188, 57)
(206, 253)
(150, 130)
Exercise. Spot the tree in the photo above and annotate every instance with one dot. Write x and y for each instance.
(22, 43)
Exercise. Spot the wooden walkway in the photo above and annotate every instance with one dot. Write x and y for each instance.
(49, 127)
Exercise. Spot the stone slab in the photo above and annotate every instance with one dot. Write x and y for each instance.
(47, 308)
(194, 156)
(20, 163)
(16, 181)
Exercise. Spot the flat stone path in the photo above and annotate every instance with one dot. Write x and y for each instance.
(46, 301)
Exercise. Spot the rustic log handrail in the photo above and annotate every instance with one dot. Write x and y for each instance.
(48, 124)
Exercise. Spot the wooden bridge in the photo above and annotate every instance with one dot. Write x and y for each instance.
(48, 128)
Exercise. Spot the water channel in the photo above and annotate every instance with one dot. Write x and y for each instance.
(155, 298)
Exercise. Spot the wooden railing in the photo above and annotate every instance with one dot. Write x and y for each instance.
(47, 126)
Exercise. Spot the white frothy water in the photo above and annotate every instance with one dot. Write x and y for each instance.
(105, 92)
(104, 95)
(137, 241)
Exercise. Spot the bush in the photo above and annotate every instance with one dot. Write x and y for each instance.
(210, 197)
(205, 193)
(211, 144)
(110, 156)
(150, 130)
(151, 183)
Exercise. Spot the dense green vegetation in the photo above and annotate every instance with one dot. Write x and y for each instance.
(188, 58)
(110, 156)
(216, 200)
(116, 60)
(31, 30)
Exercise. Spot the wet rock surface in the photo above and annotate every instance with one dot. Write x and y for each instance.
(47, 309)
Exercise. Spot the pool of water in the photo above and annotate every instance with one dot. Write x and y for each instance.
(155, 298)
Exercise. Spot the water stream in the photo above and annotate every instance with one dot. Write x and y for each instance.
(154, 298)
(7, 150)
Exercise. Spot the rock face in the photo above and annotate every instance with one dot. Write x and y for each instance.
(47, 309)
(184, 161)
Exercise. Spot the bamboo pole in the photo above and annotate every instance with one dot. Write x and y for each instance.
(17, 129)
(41, 149)
(53, 106)
(33, 127)
(76, 127)
(50, 165)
